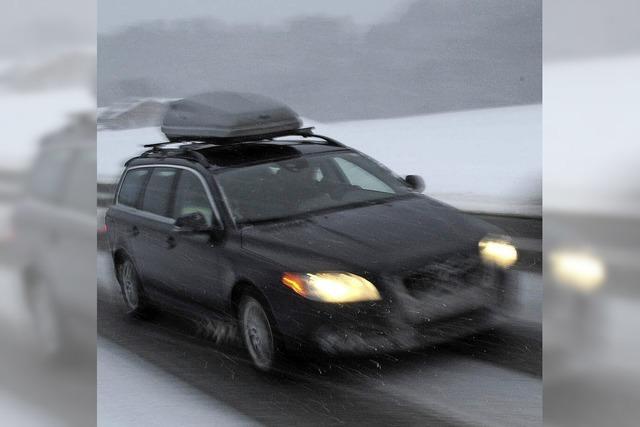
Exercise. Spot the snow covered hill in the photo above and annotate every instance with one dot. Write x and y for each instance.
(486, 160)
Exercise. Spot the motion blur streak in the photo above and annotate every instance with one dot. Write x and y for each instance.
(47, 213)
(581, 270)
(591, 221)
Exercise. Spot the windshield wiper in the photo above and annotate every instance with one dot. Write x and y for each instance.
(306, 215)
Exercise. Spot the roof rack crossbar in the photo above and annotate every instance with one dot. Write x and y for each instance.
(184, 152)
(157, 145)
(308, 133)
(189, 149)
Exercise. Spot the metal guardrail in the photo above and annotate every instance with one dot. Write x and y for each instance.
(105, 193)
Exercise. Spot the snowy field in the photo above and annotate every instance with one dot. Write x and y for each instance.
(592, 169)
(482, 160)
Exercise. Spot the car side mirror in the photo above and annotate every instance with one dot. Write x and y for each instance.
(415, 182)
(192, 222)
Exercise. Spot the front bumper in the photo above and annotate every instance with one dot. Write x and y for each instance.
(364, 341)
(399, 322)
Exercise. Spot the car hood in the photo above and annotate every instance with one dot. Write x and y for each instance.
(391, 236)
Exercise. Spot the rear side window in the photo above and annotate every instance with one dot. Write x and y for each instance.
(157, 194)
(191, 197)
(132, 186)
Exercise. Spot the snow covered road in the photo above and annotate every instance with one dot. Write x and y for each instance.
(132, 392)
(492, 379)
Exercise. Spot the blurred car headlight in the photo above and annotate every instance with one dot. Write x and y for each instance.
(335, 287)
(498, 252)
(577, 269)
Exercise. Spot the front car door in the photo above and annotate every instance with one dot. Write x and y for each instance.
(195, 257)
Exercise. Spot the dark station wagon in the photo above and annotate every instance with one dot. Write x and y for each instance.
(305, 241)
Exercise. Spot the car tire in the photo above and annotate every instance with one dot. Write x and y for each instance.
(259, 334)
(132, 291)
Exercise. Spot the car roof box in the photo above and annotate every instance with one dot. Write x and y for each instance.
(228, 117)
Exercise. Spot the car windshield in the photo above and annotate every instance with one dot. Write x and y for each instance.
(302, 185)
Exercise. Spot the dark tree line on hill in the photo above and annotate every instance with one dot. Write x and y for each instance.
(440, 55)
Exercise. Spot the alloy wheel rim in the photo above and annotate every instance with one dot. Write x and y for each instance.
(129, 285)
(258, 335)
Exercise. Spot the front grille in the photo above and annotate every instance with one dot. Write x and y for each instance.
(446, 275)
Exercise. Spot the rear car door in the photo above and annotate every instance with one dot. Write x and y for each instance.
(122, 219)
(195, 257)
(154, 226)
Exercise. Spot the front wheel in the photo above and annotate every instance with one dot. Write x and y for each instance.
(258, 334)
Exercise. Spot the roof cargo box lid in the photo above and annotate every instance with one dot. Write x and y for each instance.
(227, 116)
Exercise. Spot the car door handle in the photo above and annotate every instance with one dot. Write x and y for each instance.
(135, 231)
(171, 242)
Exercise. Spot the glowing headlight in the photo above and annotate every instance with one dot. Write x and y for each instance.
(498, 252)
(337, 287)
(580, 270)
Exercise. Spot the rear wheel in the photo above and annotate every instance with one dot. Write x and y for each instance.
(131, 289)
(258, 334)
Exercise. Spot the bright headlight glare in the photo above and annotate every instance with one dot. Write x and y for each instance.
(580, 270)
(498, 252)
(336, 287)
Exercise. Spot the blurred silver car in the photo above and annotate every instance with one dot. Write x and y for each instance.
(55, 236)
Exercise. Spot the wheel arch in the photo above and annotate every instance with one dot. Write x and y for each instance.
(119, 255)
(245, 286)
(241, 287)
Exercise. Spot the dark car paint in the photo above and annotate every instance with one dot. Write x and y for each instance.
(199, 272)
(392, 236)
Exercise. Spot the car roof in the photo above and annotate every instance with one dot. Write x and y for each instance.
(241, 154)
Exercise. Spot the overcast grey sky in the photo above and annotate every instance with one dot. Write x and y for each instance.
(114, 14)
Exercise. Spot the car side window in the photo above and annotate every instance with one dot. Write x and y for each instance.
(132, 186)
(191, 197)
(157, 193)
(359, 177)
